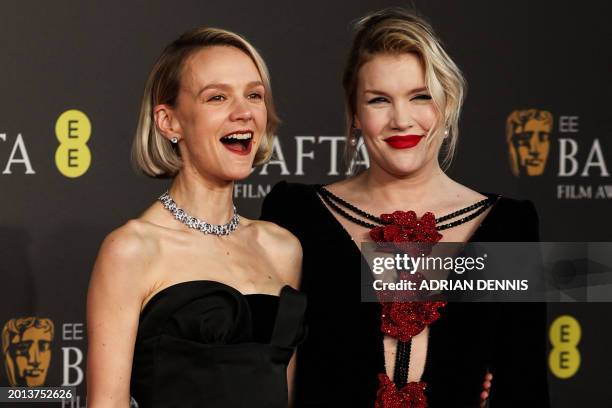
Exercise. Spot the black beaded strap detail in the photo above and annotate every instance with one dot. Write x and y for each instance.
(333, 200)
(331, 196)
(345, 214)
(485, 204)
(482, 203)
(402, 359)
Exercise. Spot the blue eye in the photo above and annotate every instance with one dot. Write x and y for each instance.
(378, 99)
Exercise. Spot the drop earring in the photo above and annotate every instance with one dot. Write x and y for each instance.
(354, 136)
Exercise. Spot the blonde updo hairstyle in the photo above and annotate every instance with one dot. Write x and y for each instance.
(152, 153)
(397, 31)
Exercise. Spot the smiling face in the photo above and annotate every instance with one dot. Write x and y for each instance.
(394, 112)
(220, 114)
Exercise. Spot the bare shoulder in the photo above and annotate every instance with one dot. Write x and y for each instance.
(131, 241)
(116, 291)
(280, 246)
(124, 255)
(274, 238)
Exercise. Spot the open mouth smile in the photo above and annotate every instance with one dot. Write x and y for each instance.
(239, 142)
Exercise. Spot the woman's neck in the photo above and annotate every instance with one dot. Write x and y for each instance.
(204, 198)
(423, 189)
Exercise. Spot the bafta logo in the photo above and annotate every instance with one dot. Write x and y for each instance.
(26, 345)
(528, 138)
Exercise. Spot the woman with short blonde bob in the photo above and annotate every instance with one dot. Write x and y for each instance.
(403, 99)
(191, 305)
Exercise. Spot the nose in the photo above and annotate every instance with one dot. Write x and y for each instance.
(34, 356)
(241, 111)
(534, 144)
(400, 117)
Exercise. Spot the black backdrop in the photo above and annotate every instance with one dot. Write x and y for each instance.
(94, 57)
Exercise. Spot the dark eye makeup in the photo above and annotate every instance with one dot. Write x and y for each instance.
(380, 99)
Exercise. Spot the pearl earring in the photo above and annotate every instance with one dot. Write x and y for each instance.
(354, 136)
(174, 140)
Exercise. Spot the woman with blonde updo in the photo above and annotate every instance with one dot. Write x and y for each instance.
(403, 99)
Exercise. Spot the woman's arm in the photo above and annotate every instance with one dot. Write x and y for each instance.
(285, 251)
(293, 252)
(291, 379)
(113, 307)
(519, 365)
(520, 361)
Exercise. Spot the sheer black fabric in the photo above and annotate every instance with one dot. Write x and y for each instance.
(339, 362)
(205, 344)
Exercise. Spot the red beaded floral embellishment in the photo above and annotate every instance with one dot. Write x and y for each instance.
(404, 320)
(405, 226)
(410, 395)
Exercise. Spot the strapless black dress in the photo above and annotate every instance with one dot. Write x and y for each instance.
(205, 344)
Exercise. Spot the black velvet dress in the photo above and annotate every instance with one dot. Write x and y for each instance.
(205, 344)
(339, 362)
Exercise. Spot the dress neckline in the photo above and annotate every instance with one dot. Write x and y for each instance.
(175, 286)
(162, 306)
(495, 197)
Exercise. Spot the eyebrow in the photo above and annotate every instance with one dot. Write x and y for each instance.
(219, 85)
(376, 91)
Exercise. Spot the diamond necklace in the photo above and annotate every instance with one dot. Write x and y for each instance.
(195, 223)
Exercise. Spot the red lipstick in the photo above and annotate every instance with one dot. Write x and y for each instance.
(404, 142)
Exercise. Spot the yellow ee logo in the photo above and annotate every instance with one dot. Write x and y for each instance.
(73, 130)
(564, 358)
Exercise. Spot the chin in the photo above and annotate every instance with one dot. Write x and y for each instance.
(403, 172)
(401, 168)
(237, 174)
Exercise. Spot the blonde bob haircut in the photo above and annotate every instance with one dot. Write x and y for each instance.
(397, 31)
(153, 154)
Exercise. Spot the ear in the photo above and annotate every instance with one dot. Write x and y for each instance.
(165, 120)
